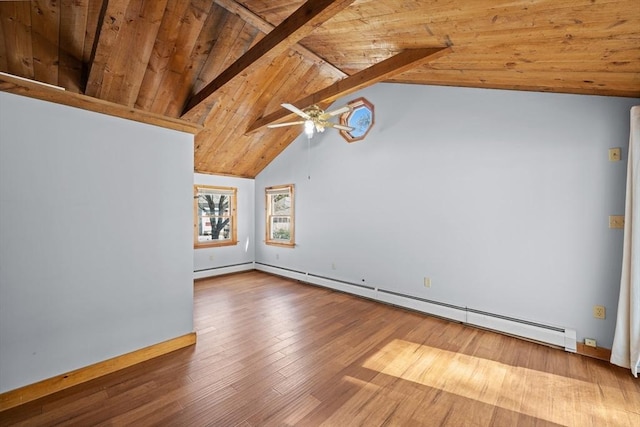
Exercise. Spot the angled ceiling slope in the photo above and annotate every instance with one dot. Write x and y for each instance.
(232, 63)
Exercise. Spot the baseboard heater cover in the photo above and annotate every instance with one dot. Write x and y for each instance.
(338, 285)
(561, 337)
(434, 308)
(225, 269)
(553, 335)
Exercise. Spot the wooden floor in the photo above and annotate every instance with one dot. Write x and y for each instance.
(274, 352)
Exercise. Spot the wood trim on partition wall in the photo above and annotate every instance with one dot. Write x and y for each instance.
(595, 352)
(32, 89)
(28, 393)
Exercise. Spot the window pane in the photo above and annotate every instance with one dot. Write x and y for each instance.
(280, 228)
(214, 204)
(281, 204)
(214, 228)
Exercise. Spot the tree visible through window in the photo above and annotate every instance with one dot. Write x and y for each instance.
(279, 221)
(215, 216)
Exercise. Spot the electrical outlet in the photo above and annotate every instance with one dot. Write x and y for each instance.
(333, 265)
(614, 154)
(427, 282)
(211, 257)
(590, 342)
(616, 221)
(599, 311)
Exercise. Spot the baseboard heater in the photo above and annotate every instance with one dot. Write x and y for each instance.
(224, 269)
(552, 335)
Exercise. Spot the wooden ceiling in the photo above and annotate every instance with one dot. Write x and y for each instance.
(228, 65)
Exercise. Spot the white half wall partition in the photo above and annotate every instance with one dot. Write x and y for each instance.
(497, 200)
(214, 261)
(95, 238)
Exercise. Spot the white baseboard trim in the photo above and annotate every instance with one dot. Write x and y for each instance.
(552, 335)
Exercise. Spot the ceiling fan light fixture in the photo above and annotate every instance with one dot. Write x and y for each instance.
(308, 128)
(315, 119)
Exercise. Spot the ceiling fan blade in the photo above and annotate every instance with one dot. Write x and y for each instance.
(336, 112)
(296, 110)
(341, 127)
(279, 125)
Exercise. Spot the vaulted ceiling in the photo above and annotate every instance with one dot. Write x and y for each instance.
(228, 65)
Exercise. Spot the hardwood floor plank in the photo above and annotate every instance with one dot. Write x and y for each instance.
(275, 352)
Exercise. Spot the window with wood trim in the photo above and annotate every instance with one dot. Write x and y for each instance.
(280, 224)
(215, 219)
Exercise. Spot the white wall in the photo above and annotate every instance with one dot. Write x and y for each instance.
(209, 262)
(502, 198)
(95, 238)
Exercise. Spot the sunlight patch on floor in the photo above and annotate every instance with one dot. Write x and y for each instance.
(538, 394)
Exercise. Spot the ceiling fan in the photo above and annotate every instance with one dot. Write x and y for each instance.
(315, 119)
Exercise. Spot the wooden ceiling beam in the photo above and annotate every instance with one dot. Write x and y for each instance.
(383, 70)
(301, 23)
(265, 27)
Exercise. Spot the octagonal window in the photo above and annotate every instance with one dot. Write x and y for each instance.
(360, 118)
